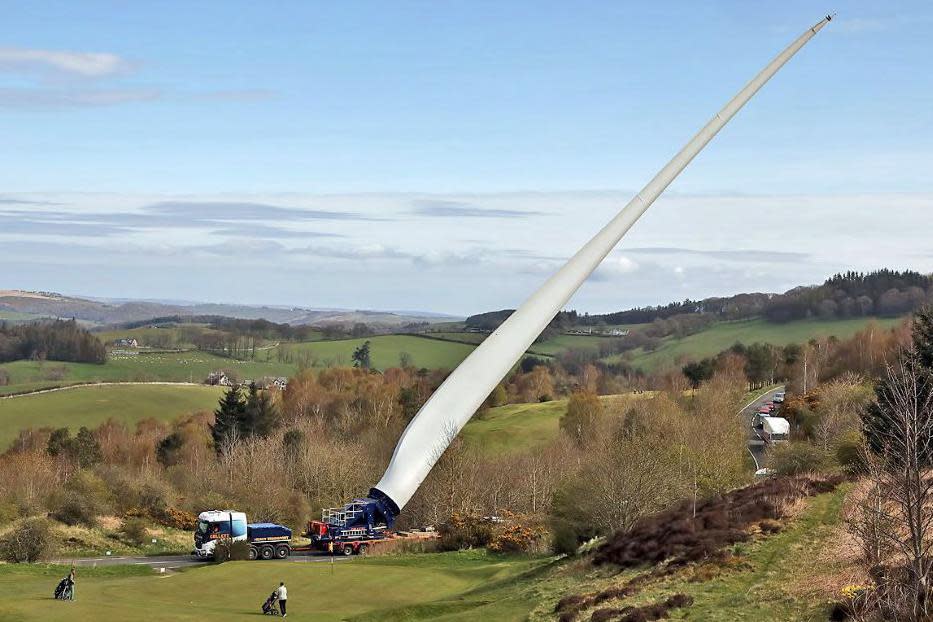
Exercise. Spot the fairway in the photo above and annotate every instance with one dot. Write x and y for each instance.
(423, 587)
(92, 405)
(724, 335)
(385, 351)
(519, 427)
(162, 366)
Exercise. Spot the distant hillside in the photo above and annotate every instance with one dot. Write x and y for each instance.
(51, 304)
(882, 293)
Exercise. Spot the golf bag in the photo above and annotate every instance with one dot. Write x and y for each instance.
(63, 589)
(268, 607)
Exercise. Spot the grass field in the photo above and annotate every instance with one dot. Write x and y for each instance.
(776, 579)
(549, 347)
(170, 367)
(448, 586)
(90, 406)
(726, 334)
(518, 427)
(385, 351)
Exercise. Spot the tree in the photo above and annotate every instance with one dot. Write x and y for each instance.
(59, 440)
(698, 372)
(900, 429)
(260, 416)
(168, 449)
(85, 448)
(226, 427)
(361, 356)
(584, 411)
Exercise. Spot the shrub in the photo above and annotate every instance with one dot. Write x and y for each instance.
(75, 509)
(464, 531)
(849, 454)
(177, 519)
(134, 531)
(29, 542)
(9, 512)
(516, 539)
(92, 488)
(798, 457)
(229, 551)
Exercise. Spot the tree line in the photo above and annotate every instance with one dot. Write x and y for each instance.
(58, 340)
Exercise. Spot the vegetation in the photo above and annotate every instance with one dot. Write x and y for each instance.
(55, 341)
(92, 406)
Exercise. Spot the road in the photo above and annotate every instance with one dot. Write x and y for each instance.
(756, 446)
(175, 562)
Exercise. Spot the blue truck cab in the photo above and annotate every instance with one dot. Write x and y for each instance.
(266, 540)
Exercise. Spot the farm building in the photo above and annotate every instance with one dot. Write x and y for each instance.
(126, 342)
(218, 378)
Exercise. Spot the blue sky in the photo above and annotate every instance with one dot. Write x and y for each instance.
(447, 156)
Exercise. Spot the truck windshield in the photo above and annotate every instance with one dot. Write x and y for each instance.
(202, 526)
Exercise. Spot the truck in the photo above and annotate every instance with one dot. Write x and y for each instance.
(774, 429)
(351, 529)
(266, 540)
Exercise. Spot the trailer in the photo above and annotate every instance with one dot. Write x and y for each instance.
(348, 530)
(774, 429)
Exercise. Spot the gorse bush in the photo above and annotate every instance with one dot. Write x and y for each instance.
(230, 551)
(134, 531)
(798, 457)
(75, 509)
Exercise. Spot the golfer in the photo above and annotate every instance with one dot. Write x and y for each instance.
(283, 596)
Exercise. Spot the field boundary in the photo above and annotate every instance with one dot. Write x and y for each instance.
(80, 385)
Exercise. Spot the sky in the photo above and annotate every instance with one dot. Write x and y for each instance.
(449, 156)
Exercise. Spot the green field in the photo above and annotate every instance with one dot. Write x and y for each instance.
(163, 366)
(519, 427)
(17, 316)
(448, 586)
(385, 351)
(724, 335)
(91, 406)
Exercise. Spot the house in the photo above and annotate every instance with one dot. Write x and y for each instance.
(218, 378)
(126, 342)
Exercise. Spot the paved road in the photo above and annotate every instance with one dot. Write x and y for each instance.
(755, 445)
(174, 562)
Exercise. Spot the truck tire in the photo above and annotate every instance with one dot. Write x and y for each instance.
(253, 552)
(267, 552)
(362, 550)
(347, 550)
(282, 551)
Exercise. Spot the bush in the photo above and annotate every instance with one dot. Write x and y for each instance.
(9, 512)
(464, 531)
(849, 454)
(228, 551)
(516, 539)
(135, 532)
(798, 457)
(75, 509)
(177, 519)
(29, 542)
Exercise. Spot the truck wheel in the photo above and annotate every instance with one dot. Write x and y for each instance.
(348, 550)
(362, 550)
(253, 552)
(267, 552)
(282, 551)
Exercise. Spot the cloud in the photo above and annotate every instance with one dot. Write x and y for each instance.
(15, 201)
(457, 209)
(254, 230)
(57, 98)
(741, 255)
(78, 64)
(221, 211)
(612, 267)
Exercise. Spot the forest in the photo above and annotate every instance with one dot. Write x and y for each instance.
(59, 340)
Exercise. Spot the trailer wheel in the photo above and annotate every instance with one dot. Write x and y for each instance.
(362, 550)
(267, 552)
(282, 551)
(253, 552)
(348, 550)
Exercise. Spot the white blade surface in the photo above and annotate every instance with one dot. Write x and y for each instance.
(455, 401)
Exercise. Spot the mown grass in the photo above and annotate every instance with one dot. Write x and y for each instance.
(724, 335)
(422, 587)
(161, 367)
(385, 351)
(92, 405)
